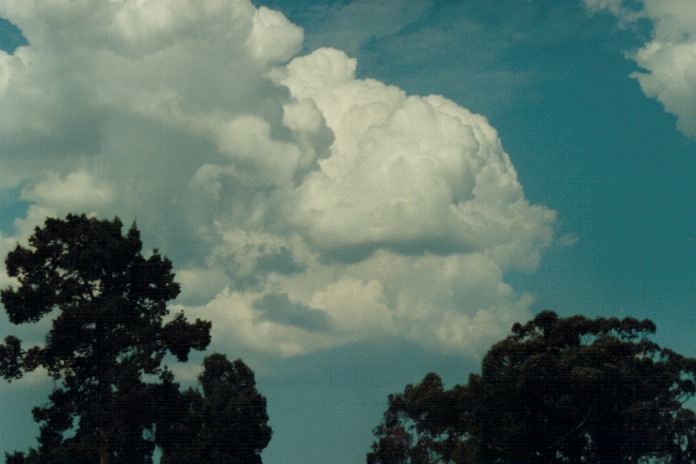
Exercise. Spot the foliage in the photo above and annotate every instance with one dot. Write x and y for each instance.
(225, 424)
(556, 390)
(107, 340)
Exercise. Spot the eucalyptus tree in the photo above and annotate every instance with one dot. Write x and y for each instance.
(556, 390)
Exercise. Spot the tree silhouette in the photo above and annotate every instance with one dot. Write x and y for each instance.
(556, 390)
(226, 423)
(107, 342)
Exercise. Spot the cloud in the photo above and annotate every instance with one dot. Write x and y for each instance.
(613, 6)
(304, 208)
(567, 240)
(408, 173)
(668, 59)
(277, 308)
(350, 25)
(273, 38)
(79, 190)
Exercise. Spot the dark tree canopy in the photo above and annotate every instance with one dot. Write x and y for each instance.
(107, 341)
(226, 423)
(556, 390)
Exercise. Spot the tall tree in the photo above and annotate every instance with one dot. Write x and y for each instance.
(556, 390)
(109, 336)
(226, 422)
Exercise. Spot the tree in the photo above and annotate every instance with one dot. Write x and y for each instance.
(226, 423)
(556, 390)
(422, 425)
(107, 341)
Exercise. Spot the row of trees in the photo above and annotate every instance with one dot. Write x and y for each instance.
(114, 399)
(556, 390)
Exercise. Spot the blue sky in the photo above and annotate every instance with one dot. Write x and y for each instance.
(345, 232)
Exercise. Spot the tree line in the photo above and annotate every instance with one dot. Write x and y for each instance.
(556, 390)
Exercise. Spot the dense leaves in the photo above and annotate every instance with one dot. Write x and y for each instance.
(107, 341)
(226, 423)
(556, 390)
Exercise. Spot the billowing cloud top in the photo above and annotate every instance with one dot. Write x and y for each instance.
(304, 208)
(669, 58)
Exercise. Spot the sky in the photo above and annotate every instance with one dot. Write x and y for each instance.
(357, 193)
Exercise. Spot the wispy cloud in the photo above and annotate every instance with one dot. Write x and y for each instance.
(350, 25)
(305, 208)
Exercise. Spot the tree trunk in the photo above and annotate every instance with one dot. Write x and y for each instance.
(104, 451)
(105, 456)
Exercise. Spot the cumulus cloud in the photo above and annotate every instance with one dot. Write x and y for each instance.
(414, 174)
(668, 59)
(303, 207)
(79, 190)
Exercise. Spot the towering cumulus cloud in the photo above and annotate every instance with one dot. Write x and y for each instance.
(305, 208)
(668, 60)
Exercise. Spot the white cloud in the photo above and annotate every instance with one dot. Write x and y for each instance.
(304, 208)
(408, 172)
(671, 79)
(273, 38)
(457, 303)
(78, 191)
(669, 58)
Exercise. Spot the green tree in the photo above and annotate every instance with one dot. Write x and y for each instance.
(556, 390)
(225, 423)
(107, 342)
